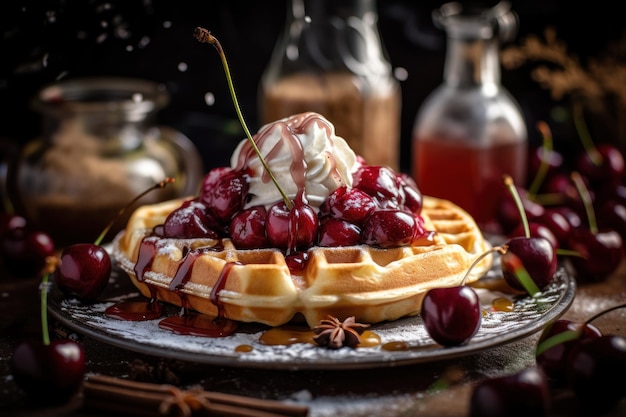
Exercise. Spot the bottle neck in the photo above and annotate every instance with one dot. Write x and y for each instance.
(472, 62)
(331, 35)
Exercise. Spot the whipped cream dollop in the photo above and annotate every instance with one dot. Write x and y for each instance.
(305, 155)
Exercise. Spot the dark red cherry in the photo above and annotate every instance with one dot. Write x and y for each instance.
(191, 220)
(559, 226)
(525, 393)
(336, 232)
(413, 198)
(539, 155)
(291, 229)
(349, 204)
(84, 271)
(595, 370)
(611, 214)
(247, 228)
(389, 228)
(509, 214)
(451, 315)
(600, 253)
(537, 256)
(224, 192)
(553, 359)
(48, 373)
(382, 183)
(609, 169)
(537, 230)
(24, 250)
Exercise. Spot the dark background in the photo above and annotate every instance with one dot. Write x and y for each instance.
(47, 41)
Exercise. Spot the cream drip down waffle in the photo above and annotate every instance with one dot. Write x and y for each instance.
(348, 240)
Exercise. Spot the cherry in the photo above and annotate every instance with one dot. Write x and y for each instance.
(451, 315)
(602, 165)
(555, 344)
(84, 271)
(525, 393)
(612, 215)
(536, 230)
(381, 183)
(529, 263)
(557, 223)
(413, 198)
(509, 213)
(599, 251)
(191, 220)
(48, 371)
(247, 228)
(224, 192)
(594, 370)
(349, 204)
(293, 228)
(390, 227)
(543, 160)
(336, 232)
(536, 255)
(539, 155)
(24, 250)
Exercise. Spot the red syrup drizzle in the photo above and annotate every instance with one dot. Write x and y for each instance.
(139, 309)
(189, 322)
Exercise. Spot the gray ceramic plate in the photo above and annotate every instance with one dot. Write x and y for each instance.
(528, 316)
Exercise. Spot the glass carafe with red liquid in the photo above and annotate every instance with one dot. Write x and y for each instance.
(470, 131)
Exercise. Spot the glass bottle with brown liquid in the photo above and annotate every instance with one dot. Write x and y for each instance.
(331, 60)
(469, 131)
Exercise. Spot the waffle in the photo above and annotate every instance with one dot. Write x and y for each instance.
(371, 284)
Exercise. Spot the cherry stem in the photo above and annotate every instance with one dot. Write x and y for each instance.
(583, 191)
(508, 181)
(205, 36)
(51, 264)
(500, 249)
(546, 150)
(583, 133)
(600, 314)
(557, 339)
(156, 186)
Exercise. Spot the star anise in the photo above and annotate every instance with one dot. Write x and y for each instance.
(335, 334)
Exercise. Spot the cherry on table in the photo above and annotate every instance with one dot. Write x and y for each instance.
(24, 250)
(600, 253)
(50, 373)
(603, 165)
(594, 371)
(556, 342)
(525, 393)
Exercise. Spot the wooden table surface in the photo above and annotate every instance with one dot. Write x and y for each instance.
(392, 391)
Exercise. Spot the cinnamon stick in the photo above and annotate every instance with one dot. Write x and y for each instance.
(134, 398)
